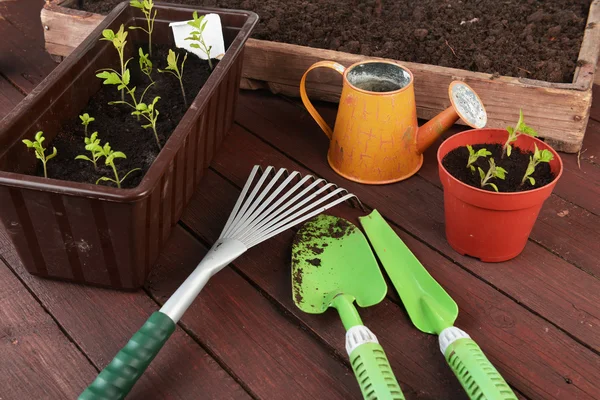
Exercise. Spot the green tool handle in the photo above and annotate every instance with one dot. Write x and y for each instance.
(374, 373)
(116, 380)
(475, 372)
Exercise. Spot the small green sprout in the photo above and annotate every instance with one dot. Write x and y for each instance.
(199, 23)
(493, 172)
(118, 40)
(514, 133)
(145, 64)
(112, 77)
(146, 7)
(40, 150)
(85, 121)
(172, 67)
(110, 156)
(149, 112)
(473, 156)
(92, 144)
(538, 157)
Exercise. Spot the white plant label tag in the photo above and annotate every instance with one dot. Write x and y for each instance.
(212, 35)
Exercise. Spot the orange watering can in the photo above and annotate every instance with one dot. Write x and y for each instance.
(376, 139)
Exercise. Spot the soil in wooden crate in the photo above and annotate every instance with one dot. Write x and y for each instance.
(524, 38)
(455, 163)
(116, 125)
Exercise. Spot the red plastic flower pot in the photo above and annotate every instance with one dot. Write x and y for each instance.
(491, 226)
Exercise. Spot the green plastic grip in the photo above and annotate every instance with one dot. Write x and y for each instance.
(374, 374)
(116, 380)
(476, 373)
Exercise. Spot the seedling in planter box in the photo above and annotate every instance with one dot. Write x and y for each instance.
(538, 157)
(92, 144)
(118, 40)
(146, 7)
(110, 156)
(172, 67)
(493, 172)
(40, 151)
(112, 77)
(199, 23)
(514, 133)
(149, 112)
(145, 64)
(473, 156)
(85, 121)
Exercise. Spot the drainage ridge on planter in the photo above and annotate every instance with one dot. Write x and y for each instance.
(101, 235)
(491, 226)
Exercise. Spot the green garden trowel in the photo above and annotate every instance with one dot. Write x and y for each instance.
(432, 310)
(332, 266)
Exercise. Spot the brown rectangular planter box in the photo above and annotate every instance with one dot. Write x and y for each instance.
(97, 234)
(558, 111)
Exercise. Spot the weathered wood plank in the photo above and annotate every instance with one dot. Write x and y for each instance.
(38, 361)
(416, 206)
(23, 62)
(275, 358)
(9, 97)
(101, 321)
(516, 340)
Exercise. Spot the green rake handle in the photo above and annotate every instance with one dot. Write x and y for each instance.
(475, 372)
(116, 380)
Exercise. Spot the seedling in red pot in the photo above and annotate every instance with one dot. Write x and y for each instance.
(85, 121)
(173, 68)
(538, 157)
(146, 6)
(493, 172)
(118, 40)
(474, 155)
(145, 64)
(149, 112)
(514, 133)
(199, 23)
(110, 156)
(40, 151)
(92, 144)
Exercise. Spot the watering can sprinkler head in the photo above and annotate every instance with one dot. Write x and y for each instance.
(465, 104)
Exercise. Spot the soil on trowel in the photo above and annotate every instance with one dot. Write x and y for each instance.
(455, 163)
(308, 246)
(524, 38)
(116, 125)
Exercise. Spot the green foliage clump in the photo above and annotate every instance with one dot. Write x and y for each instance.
(514, 133)
(109, 160)
(146, 6)
(473, 156)
(173, 68)
(199, 24)
(92, 144)
(538, 157)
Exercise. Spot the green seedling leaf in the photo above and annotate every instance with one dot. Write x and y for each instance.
(110, 78)
(538, 157)
(473, 156)
(493, 186)
(481, 173)
(493, 172)
(40, 151)
(173, 68)
(514, 133)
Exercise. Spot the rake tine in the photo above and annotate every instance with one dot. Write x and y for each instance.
(301, 219)
(278, 221)
(285, 209)
(250, 212)
(241, 197)
(254, 219)
(248, 201)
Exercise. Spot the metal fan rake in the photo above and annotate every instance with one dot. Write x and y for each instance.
(270, 202)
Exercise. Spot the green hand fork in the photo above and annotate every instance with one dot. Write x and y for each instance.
(432, 310)
(332, 266)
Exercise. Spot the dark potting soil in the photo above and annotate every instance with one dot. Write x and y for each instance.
(116, 125)
(455, 163)
(524, 38)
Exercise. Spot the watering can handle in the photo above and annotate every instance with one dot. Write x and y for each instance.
(311, 109)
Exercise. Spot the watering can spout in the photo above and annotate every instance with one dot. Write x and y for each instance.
(466, 104)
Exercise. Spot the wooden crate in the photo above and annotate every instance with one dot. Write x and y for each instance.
(559, 111)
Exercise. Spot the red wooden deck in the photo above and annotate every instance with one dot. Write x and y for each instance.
(537, 317)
